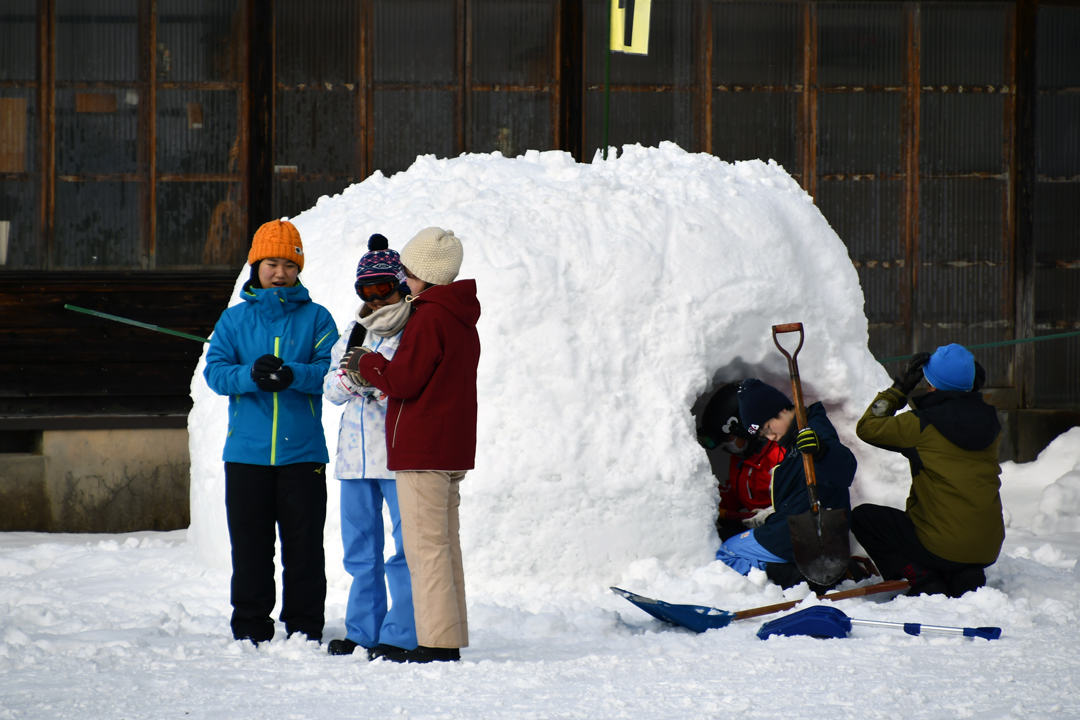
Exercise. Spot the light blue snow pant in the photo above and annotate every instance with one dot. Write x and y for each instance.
(742, 553)
(367, 621)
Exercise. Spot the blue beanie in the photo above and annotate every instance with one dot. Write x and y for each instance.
(951, 367)
(759, 403)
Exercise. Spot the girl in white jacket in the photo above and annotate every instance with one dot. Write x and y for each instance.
(361, 464)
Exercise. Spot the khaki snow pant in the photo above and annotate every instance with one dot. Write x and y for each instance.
(429, 501)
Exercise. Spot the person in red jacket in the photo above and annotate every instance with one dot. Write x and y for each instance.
(746, 497)
(431, 437)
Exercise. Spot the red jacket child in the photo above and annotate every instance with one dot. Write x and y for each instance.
(750, 481)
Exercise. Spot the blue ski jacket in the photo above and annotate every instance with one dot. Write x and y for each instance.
(834, 474)
(279, 428)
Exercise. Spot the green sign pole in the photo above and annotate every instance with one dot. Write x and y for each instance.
(136, 323)
(607, 77)
(1003, 343)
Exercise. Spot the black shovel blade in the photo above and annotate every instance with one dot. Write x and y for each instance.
(823, 558)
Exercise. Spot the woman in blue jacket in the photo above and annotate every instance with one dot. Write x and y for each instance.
(269, 355)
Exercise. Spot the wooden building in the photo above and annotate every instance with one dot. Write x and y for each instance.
(142, 141)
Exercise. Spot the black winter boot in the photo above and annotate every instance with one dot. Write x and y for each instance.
(420, 654)
(341, 647)
(966, 580)
(923, 581)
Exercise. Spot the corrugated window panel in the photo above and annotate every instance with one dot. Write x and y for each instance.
(97, 225)
(859, 133)
(415, 41)
(291, 197)
(757, 43)
(1057, 224)
(399, 138)
(200, 224)
(513, 42)
(648, 118)
(965, 305)
(97, 40)
(511, 122)
(1057, 384)
(1057, 134)
(1058, 62)
(197, 131)
(860, 43)
(672, 47)
(317, 42)
(204, 39)
(962, 133)
(18, 130)
(315, 131)
(866, 216)
(19, 208)
(751, 125)
(18, 40)
(102, 136)
(964, 43)
(960, 222)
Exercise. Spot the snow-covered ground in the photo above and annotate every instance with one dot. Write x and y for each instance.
(615, 295)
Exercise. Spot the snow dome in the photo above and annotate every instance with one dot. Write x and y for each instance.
(615, 295)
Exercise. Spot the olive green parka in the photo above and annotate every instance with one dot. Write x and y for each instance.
(950, 438)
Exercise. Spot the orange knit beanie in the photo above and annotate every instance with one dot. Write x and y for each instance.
(277, 239)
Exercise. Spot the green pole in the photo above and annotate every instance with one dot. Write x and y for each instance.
(997, 344)
(607, 76)
(136, 323)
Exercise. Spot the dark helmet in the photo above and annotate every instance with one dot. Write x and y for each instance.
(721, 418)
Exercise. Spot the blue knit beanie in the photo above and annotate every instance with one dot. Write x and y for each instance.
(951, 367)
(379, 263)
(759, 403)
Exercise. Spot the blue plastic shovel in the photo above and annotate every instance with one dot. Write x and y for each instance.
(821, 621)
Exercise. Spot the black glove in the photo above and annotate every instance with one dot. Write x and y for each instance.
(980, 377)
(270, 374)
(912, 373)
(808, 442)
(277, 382)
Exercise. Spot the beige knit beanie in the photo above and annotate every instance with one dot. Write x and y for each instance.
(434, 256)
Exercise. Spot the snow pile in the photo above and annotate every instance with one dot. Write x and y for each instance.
(1045, 495)
(615, 294)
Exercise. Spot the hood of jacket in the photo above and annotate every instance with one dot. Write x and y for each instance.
(458, 298)
(963, 418)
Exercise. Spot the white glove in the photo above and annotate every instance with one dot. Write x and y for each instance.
(759, 518)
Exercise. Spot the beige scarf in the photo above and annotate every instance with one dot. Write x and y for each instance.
(388, 320)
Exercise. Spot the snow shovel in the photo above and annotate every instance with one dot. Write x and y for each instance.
(829, 622)
(819, 538)
(700, 618)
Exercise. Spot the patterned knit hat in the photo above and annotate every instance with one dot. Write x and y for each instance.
(277, 239)
(434, 256)
(379, 263)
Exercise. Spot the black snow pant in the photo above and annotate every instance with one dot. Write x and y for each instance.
(292, 498)
(888, 536)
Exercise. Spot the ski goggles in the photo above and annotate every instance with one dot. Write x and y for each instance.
(377, 291)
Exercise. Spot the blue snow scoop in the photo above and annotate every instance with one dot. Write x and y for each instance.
(700, 618)
(828, 622)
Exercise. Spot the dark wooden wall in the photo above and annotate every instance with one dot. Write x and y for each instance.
(59, 369)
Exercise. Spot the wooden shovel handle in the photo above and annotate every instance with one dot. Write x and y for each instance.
(887, 586)
(800, 408)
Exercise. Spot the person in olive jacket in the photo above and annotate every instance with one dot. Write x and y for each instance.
(952, 528)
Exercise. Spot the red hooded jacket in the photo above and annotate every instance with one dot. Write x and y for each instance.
(749, 485)
(431, 382)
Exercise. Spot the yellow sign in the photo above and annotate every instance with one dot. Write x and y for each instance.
(630, 26)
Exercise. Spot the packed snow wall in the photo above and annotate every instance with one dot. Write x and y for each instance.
(614, 294)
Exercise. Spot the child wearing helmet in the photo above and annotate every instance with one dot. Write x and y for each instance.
(746, 497)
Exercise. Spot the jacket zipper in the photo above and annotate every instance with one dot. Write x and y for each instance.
(401, 409)
(273, 432)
